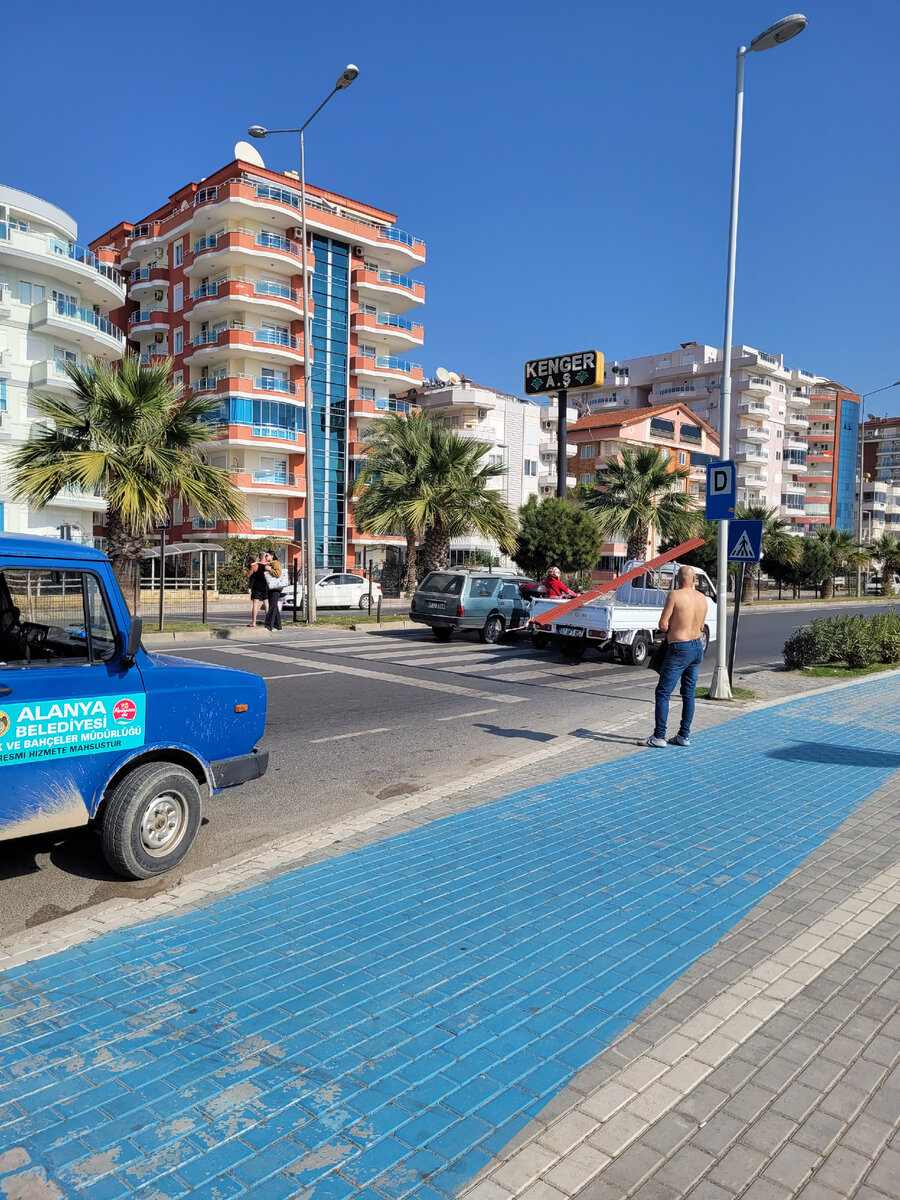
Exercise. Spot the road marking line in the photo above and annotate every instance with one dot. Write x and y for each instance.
(703, 1040)
(385, 677)
(480, 712)
(298, 674)
(339, 737)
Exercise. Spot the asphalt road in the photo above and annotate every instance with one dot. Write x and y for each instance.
(357, 719)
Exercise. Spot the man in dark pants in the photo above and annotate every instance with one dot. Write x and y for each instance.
(682, 621)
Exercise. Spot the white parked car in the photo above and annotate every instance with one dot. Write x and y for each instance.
(339, 591)
(875, 588)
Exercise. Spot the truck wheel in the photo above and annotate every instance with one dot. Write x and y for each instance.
(493, 630)
(704, 639)
(540, 641)
(442, 632)
(150, 820)
(638, 652)
(572, 647)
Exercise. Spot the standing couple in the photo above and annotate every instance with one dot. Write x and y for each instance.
(268, 583)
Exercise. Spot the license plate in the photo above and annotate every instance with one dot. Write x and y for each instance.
(434, 603)
(570, 631)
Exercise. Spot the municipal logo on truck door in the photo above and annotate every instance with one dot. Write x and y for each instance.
(125, 710)
(46, 729)
(4, 723)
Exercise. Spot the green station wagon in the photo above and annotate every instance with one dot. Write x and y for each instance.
(459, 599)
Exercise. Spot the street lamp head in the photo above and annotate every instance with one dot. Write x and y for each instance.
(349, 73)
(257, 131)
(781, 31)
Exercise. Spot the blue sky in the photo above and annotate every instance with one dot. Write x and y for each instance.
(567, 163)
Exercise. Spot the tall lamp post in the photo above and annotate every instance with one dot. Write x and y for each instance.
(347, 76)
(862, 476)
(781, 31)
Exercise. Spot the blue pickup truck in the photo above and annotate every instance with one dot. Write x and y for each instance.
(93, 729)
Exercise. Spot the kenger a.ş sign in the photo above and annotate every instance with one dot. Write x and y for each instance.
(581, 370)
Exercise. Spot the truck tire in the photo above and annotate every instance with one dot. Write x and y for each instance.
(150, 820)
(572, 647)
(704, 639)
(540, 641)
(494, 628)
(443, 633)
(637, 654)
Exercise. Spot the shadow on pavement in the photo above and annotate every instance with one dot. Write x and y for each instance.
(842, 756)
(530, 735)
(591, 735)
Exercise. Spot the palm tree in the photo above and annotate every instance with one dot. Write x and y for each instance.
(129, 433)
(640, 493)
(887, 550)
(431, 483)
(840, 546)
(778, 542)
(391, 477)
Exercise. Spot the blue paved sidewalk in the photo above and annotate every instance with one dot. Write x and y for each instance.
(380, 1024)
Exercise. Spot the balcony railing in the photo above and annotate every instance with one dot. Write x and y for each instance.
(275, 337)
(392, 234)
(404, 281)
(392, 405)
(269, 384)
(206, 243)
(82, 255)
(138, 318)
(769, 358)
(279, 477)
(203, 523)
(389, 362)
(279, 523)
(395, 322)
(89, 317)
(275, 241)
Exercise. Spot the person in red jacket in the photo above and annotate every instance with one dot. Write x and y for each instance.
(556, 589)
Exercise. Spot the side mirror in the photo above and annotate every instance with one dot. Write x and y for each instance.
(132, 642)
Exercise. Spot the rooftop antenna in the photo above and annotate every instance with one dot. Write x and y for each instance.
(454, 378)
(443, 374)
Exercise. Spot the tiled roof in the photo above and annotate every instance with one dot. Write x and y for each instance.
(631, 416)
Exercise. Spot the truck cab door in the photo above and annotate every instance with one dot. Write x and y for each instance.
(68, 706)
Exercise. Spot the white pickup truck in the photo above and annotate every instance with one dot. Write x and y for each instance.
(624, 620)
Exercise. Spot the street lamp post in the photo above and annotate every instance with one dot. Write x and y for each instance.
(862, 475)
(781, 31)
(347, 76)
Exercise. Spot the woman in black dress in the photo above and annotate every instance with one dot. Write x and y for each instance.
(259, 587)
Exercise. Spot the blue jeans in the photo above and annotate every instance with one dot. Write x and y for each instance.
(682, 662)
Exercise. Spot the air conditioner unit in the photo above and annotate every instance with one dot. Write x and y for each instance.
(482, 414)
(158, 295)
(158, 252)
(296, 232)
(158, 338)
(359, 251)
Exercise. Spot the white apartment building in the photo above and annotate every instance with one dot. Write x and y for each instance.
(769, 414)
(547, 477)
(513, 431)
(55, 301)
(880, 509)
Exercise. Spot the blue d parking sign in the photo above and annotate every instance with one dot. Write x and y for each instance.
(721, 491)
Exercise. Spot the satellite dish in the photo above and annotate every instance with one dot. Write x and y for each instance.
(454, 378)
(443, 374)
(248, 154)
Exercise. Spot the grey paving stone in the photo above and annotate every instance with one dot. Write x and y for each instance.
(707, 1190)
(843, 1170)
(653, 1189)
(867, 1135)
(844, 1101)
(792, 1166)
(820, 1074)
(796, 1101)
(819, 1132)
(632, 1167)
(719, 1132)
(670, 1132)
(765, 1189)
(769, 1132)
(738, 1168)
(686, 1168)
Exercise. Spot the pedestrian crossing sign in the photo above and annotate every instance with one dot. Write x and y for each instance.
(744, 541)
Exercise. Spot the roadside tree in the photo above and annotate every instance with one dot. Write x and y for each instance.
(555, 533)
(128, 433)
(886, 550)
(840, 546)
(641, 493)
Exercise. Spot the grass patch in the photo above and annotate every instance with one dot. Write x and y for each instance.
(185, 627)
(737, 693)
(842, 671)
(363, 619)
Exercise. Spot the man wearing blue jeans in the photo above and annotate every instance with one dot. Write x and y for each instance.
(682, 621)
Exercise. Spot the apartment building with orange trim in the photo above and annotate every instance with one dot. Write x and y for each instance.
(214, 280)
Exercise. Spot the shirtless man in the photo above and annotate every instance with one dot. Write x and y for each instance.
(682, 621)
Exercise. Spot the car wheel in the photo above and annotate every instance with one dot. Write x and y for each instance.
(150, 820)
(540, 641)
(704, 639)
(365, 601)
(637, 654)
(572, 647)
(442, 633)
(493, 630)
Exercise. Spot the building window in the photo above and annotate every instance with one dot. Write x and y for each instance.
(682, 458)
(30, 293)
(366, 393)
(178, 341)
(367, 351)
(588, 479)
(587, 450)
(2, 401)
(660, 427)
(531, 466)
(690, 433)
(178, 297)
(177, 253)
(15, 223)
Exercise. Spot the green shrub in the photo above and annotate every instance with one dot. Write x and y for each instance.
(853, 639)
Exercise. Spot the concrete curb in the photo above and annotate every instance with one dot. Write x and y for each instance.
(153, 641)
